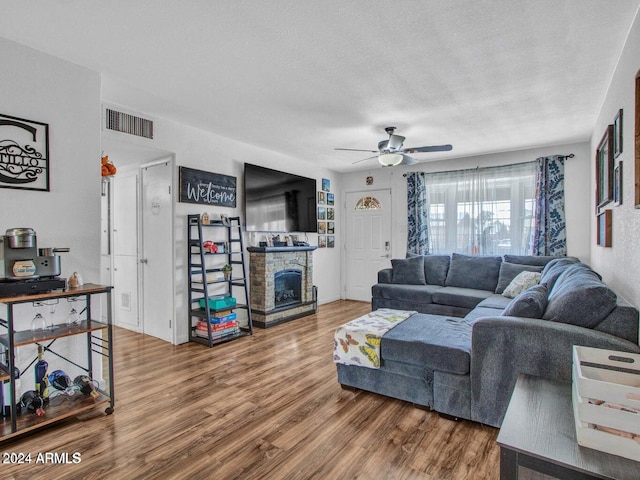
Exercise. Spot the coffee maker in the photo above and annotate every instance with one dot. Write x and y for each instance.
(23, 269)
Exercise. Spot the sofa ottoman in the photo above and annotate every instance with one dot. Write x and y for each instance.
(411, 352)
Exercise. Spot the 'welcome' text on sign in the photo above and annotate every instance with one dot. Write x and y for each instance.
(198, 186)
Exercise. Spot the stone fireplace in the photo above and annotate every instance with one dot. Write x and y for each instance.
(281, 283)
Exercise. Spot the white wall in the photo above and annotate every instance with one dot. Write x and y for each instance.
(203, 150)
(43, 88)
(67, 97)
(620, 264)
(578, 206)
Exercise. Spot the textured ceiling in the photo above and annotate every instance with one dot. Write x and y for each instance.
(302, 77)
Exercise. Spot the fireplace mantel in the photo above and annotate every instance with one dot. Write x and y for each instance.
(280, 249)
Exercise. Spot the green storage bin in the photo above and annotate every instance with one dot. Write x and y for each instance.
(217, 303)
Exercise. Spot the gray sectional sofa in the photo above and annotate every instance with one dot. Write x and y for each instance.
(461, 354)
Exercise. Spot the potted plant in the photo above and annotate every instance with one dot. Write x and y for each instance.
(226, 270)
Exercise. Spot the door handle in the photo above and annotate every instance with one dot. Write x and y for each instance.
(143, 260)
(385, 256)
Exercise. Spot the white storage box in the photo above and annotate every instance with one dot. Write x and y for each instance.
(606, 400)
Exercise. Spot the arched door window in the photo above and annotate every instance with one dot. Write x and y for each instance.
(368, 203)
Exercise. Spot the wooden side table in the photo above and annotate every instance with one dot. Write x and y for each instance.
(538, 439)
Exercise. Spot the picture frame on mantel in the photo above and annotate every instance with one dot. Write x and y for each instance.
(604, 169)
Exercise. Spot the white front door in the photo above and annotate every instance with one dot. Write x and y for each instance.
(368, 242)
(156, 258)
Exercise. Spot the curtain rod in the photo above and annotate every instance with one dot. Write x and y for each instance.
(571, 155)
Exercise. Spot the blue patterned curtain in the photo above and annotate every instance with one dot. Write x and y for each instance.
(550, 231)
(418, 214)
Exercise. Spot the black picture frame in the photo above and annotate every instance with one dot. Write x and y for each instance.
(24, 154)
(617, 134)
(617, 184)
(206, 188)
(604, 169)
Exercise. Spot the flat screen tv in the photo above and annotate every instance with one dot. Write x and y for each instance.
(277, 201)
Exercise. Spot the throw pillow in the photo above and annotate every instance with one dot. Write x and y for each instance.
(554, 269)
(530, 303)
(435, 268)
(508, 272)
(408, 271)
(477, 272)
(537, 260)
(582, 299)
(520, 283)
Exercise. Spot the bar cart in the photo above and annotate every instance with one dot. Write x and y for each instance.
(99, 340)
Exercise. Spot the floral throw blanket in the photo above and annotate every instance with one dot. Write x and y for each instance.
(358, 342)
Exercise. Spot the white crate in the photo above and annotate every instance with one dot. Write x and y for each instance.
(594, 380)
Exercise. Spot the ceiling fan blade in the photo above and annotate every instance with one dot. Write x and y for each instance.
(364, 159)
(355, 150)
(432, 148)
(407, 160)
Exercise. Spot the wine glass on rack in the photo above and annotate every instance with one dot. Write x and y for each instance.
(38, 323)
(52, 310)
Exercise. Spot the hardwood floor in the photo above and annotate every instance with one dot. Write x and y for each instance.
(262, 407)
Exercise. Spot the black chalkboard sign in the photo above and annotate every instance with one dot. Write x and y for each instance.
(198, 186)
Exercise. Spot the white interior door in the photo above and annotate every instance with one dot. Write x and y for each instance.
(156, 257)
(125, 250)
(368, 242)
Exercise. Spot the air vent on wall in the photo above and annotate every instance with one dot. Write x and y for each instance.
(125, 123)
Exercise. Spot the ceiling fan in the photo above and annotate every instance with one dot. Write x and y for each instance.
(391, 153)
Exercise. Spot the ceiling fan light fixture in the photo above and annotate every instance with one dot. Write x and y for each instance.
(390, 159)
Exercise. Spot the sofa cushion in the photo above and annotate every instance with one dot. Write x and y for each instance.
(529, 304)
(480, 312)
(495, 301)
(554, 269)
(579, 298)
(473, 272)
(538, 260)
(411, 293)
(574, 269)
(408, 271)
(432, 341)
(436, 268)
(508, 272)
(520, 283)
(459, 297)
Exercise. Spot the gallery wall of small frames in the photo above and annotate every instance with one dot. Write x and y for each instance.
(326, 216)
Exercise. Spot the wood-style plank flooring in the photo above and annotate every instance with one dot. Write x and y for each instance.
(261, 407)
